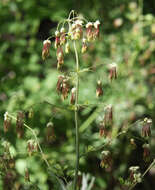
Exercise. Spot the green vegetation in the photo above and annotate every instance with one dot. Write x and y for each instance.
(28, 84)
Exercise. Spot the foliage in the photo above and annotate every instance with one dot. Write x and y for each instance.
(29, 84)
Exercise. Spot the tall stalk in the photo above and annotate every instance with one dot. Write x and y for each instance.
(76, 117)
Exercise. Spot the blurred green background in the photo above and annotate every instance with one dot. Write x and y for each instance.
(127, 37)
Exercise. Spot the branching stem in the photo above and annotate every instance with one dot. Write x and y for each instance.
(35, 136)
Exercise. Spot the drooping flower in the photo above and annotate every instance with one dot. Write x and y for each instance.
(112, 71)
(135, 175)
(146, 152)
(106, 159)
(108, 117)
(73, 96)
(62, 36)
(146, 128)
(96, 29)
(46, 49)
(60, 57)
(7, 122)
(89, 31)
(20, 123)
(32, 146)
(57, 39)
(99, 90)
(50, 135)
(84, 45)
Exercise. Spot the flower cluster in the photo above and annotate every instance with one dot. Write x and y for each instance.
(76, 30)
(135, 175)
(63, 87)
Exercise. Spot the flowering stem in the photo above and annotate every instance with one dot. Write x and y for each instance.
(35, 136)
(76, 117)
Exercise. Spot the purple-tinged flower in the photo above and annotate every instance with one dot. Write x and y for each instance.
(46, 49)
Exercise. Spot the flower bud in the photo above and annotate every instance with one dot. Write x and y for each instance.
(89, 31)
(99, 90)
(84, 46)
(112, 71)
(46, 49)
(20, 124)
(146, 153)
(7, 122)
(73, 96)
(146, 128)
(50, 136)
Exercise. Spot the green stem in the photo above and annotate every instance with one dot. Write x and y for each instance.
(35, 136)
(76, 118)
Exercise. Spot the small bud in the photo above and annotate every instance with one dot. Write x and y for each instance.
(50, 136)
(84, 46)
(20, 124)
(7, 122)
(99, 90)
(146, 128)
(106, 160)
(46, 49)
(112, 71)
(57, 39)
(73, 96)
(146, 153)
(67, 48)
